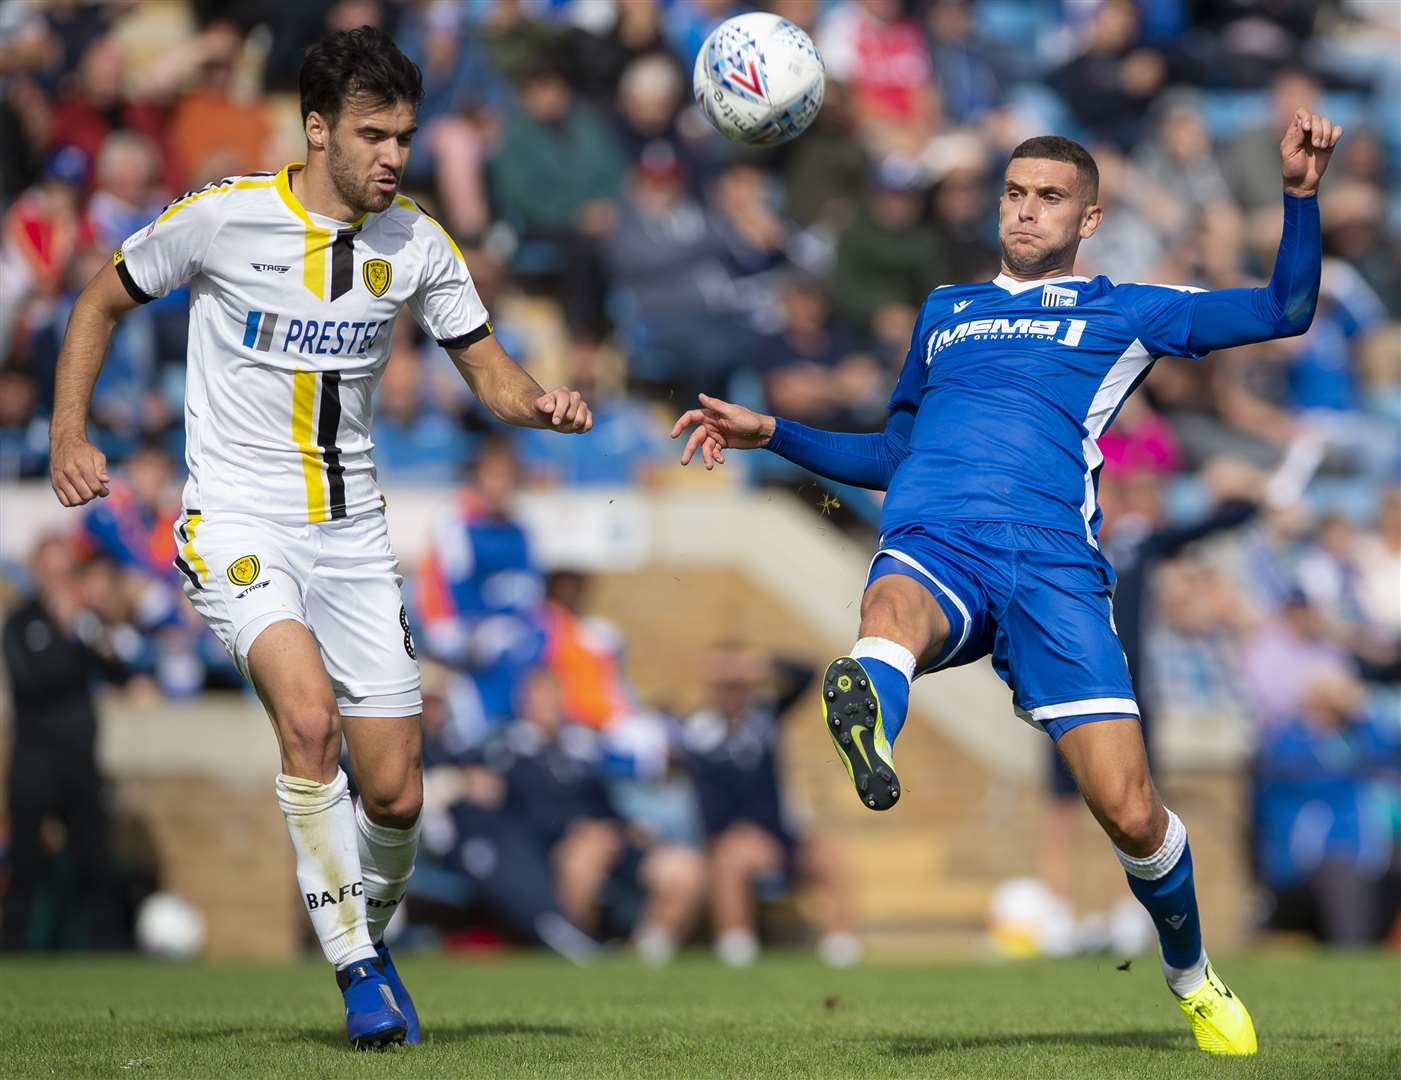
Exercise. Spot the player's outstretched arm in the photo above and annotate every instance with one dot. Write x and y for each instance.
(512, 396)
(1284, 307)
(77, 469)
(867, 460)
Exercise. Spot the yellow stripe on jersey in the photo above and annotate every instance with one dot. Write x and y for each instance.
(303, 402)
(409, 204)
(188, 552)
(220, 188)
(318, 239)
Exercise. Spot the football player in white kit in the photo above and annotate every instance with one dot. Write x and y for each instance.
(295, 281)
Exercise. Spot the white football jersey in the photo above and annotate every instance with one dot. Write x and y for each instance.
(291, 316)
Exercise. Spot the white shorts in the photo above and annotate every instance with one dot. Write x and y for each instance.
(339, 579)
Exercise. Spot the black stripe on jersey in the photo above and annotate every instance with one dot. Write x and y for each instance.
(266, 330)
(469, 338)
(343, 263)
(326, 427)
(133, 290)
(184, 568)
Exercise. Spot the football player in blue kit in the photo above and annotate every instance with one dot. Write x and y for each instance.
(988, 539)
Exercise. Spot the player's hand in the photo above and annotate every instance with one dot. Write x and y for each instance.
(77, 470)
(721, 425)
(1305, 150)
(567, 410)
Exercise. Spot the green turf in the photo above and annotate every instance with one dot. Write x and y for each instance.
(1318, 1015)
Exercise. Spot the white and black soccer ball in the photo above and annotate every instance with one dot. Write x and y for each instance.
(758, 79)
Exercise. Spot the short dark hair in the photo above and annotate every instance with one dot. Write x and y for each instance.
(1059, 148)
(361, 63)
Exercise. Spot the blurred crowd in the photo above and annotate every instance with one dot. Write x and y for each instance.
(1251, 501)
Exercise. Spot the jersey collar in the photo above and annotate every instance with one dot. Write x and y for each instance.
(294, 204)
(1013, 286)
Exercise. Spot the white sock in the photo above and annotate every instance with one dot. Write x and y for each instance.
(887, 651)
(1184, 980)
(322, 824)
(386, 863)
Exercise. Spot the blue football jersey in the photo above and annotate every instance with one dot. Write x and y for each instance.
(1013, 381)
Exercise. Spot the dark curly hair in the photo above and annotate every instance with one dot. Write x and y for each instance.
(1059, 148)
(363, 63)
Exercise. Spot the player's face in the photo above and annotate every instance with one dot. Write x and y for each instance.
(1042, 216)
(366, 154)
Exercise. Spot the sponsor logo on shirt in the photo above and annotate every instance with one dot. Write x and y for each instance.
(1004, 330)
(261, 330)
(1056, 296)
(269, 268)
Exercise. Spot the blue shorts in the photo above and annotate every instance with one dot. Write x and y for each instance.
(1037, 600)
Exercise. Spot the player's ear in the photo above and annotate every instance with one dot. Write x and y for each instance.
(317, 131)
(1089, 222)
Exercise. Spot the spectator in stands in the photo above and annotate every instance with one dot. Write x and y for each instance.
(610, 879)
(44, 231)
(650, 95)
(556, 180)
(962, 209)
(96, 105)
(1177, 156)
(416, 440)
(887, 257)
(55, 650)
(212, 133)
(1291, 88)
(584, 653)
(732, 752)
(1113, 79)
(1354, 230)
(627, 445)
(124, 197)
(24, 433)
(826, 167)
(818, 371)
(882, 56)
(673, 267)
(1283, 658)
(463, 95)
(1326, 781)
(602, 55)
(968, 85)
(479, 590)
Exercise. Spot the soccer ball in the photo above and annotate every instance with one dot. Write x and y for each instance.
(758, 79)
(168, 925)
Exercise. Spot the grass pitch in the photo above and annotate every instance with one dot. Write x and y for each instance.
(1336, 1016)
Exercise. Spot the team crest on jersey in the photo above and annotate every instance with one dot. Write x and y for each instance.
(378, 274)
(245, 571)
(1055, 296)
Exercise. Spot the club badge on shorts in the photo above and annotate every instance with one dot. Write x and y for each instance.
(245, 571)
(378, 274)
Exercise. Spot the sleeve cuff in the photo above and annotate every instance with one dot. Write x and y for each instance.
(469, 338)
(128, 282)
(775, 442)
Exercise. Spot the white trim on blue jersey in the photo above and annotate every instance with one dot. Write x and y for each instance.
(900, 556)
(1117, 385)
(1013, 286)
(1083, 707)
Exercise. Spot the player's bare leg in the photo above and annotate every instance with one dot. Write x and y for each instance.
(285, 665)
(866, 695)
(1110, 765)
(583, 858)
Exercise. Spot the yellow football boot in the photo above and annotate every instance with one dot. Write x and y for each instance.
(851, 710)
(1219, 1020)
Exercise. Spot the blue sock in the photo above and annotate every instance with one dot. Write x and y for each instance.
(1163, 884)
(890, 666)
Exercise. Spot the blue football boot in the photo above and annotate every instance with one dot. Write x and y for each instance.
(372, 1018)
(412, 1034)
